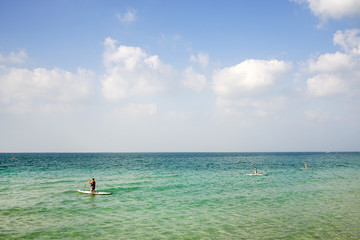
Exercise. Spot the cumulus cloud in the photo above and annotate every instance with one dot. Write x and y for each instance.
(335, 9)
(337, 73)
(41, 84)
(248, 76)
(128, 17)
(349, 40)
(331, 62)
(202, 59)
(326, 85)
(194, 81)
(236, 86)
(13, 57)
(131, 72)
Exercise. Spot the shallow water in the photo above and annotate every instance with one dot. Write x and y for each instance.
(180, 196)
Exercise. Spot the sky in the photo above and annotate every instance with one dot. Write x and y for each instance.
(179, 76)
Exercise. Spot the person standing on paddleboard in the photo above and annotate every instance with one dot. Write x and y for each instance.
(255, 171)
(92, 184)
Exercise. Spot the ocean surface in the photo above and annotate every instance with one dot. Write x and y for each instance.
(180, 196)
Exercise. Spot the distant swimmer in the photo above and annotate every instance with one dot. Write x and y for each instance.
(305, 164)
(92, 184)
(255, 171)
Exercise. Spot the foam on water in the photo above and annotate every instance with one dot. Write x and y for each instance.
(180, 196)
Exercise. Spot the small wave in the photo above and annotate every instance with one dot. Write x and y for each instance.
(163, 176)
(169, 187)
(23, 211)
(122, 189)
(138, 182)
(56, 182)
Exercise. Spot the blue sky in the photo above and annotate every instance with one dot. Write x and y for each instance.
(129, 76)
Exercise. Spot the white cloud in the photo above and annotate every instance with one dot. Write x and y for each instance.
(337, 73)
(331, 62)
(336, 9)
(128, 17)
(41, 84)
(194, 81)
(349, 40)
(326, 85)
(236, 86)
(131, 72)
(19, 57)
(248, 76)
(202, 59)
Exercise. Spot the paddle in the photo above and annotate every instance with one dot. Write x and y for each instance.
(86, 184)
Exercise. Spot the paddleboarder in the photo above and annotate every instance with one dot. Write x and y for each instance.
(92, 185)
(255, 171)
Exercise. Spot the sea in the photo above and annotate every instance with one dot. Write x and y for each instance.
(180, 196)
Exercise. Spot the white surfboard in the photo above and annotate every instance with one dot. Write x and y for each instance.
(94, 193)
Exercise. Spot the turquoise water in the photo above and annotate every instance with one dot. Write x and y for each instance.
(180, 196)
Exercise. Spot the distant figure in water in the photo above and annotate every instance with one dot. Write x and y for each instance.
(305, 164)
(255, 171)
(92, 184)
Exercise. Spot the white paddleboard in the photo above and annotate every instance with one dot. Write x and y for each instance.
(94, 193)
(259, 174)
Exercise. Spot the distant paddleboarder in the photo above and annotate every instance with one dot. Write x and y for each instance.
(255, 171)
(305, 164)
(92, 185)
